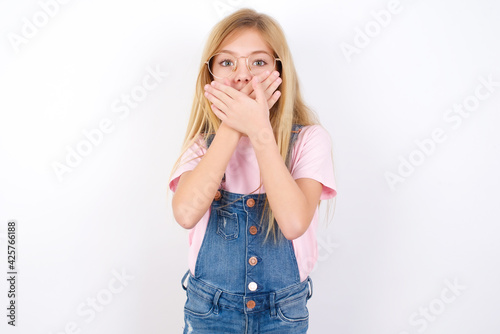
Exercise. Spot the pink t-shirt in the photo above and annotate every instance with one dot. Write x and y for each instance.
(311, 158)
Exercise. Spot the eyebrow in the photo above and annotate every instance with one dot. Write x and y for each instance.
(234, 53)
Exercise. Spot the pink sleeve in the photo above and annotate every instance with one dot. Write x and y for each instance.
(312, 158)
(189, 161)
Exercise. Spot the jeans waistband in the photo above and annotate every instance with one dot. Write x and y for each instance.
(262, 301)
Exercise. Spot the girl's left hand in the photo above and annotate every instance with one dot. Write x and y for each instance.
(237, 109)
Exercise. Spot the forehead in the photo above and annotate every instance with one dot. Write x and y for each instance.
(245, 41)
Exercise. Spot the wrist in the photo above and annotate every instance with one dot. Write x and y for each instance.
(262, 137)
(228, 131)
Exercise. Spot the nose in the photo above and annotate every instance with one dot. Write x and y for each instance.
(242, 74)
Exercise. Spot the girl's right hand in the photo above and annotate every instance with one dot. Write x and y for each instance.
(271, 84)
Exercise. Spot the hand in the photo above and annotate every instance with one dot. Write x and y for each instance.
(224, 127)
(238, 110)
(270, 83)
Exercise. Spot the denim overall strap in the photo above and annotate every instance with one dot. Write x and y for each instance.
(311, 287)
(209, 138)
(296, 128)
(184, 279)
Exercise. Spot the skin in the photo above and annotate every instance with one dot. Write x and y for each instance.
(241, 78)
(242, 102)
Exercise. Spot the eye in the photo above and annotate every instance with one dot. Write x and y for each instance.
(259, 62)
(226, 62)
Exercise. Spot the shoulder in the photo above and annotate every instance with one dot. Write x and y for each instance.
(312, 144)
(314, 134)
(312, 158)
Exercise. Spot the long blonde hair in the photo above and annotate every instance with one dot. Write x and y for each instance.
(288, 110)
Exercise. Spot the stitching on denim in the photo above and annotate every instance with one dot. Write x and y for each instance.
(294, 286)
(284, 318)
(200, 295)
(288, 301)
(221, 231)
(200, 315)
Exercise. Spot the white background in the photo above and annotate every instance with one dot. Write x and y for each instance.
(387, 254)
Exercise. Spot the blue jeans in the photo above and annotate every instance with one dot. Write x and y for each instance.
(212, 310)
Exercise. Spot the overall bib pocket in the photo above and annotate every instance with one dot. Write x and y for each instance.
(227, 224)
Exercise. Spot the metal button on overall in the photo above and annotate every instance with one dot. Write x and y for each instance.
(250, 304)
(250, 202)
(253, 230)
(252, 286)
(217, 195)
(253, 261)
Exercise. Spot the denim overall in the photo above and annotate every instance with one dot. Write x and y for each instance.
(242, 285)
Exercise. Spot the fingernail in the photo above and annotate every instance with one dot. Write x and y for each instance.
(213, 83)
(206, 86)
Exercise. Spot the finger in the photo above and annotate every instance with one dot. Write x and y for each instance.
(273, 86)
(267, 77)
(215, 101)
(274, 98)
(266, 80)
(270, 79)
(220, 95)
(260, 96)
(221, 115)
(248, 89)
(224, 89)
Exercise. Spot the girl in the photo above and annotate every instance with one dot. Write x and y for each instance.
(255, 164)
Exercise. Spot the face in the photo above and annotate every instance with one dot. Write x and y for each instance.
(242, 44)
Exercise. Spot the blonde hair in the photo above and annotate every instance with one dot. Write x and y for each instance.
(288, 110)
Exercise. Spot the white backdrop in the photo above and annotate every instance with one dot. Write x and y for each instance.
(95, 97)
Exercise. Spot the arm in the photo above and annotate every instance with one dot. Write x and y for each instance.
(196, 189)
(293, 202)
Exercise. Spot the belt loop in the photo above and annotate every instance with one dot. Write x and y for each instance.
(183, 278)
(272, 297)
(216, 301)
(309, 279)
